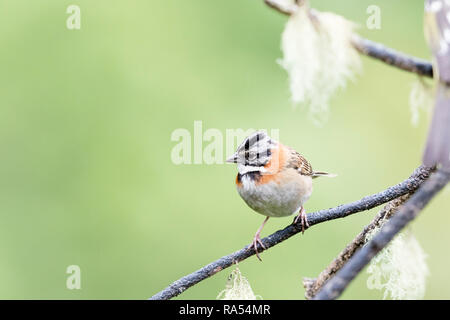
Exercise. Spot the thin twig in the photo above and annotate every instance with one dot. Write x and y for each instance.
(370, 48)
(284, 8)
(408, 186)
(336, 285)
(312, 285)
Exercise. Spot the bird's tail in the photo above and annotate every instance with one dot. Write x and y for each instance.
(317, 174)
(437, 149)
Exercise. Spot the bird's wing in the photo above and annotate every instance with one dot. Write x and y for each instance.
(298, 162)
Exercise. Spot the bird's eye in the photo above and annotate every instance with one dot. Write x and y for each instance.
(252, 155)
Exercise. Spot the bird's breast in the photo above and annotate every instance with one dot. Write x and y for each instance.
(275, 195)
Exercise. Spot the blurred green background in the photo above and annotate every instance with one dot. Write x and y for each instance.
(86, 117)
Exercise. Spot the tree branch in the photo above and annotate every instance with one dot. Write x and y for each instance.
(371, 48)
(335, 286)
(392, 57)
(408, 186)
(312, 285)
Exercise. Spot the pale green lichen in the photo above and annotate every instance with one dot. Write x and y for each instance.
(400, 269)
(319, 58)
(420, 99)
(237, 288)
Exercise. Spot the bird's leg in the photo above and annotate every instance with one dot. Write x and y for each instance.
(257, 239)
(303, 219)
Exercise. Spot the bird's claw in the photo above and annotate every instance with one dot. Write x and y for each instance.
(254, 245)
(304, 220)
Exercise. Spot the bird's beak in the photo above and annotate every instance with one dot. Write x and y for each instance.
(232, 159)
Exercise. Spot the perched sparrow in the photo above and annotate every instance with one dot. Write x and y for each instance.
(437, 33)
(273, 179)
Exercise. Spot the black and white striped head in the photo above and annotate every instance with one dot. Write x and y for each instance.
(253, 153)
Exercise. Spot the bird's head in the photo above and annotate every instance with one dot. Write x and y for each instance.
(253, 153)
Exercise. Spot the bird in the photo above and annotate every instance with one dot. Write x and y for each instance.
(273, 180)
(437, 34)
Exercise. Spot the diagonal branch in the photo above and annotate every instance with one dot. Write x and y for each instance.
(313, 286)
(408, 186)
(392, 57)
(335, 286)
(371, 48)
